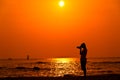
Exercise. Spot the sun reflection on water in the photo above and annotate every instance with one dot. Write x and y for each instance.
(63, 60)
(64, 66)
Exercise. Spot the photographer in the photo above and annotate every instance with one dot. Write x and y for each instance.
(83, 59)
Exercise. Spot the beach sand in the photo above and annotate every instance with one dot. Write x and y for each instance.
(69, 77)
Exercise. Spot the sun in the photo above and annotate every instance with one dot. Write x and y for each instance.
(61, 3)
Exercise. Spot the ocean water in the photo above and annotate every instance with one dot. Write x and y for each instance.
(54, 67)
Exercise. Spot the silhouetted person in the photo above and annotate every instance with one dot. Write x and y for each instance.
(83, 59)
(28, 57)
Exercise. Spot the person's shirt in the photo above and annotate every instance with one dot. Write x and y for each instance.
(83, 52)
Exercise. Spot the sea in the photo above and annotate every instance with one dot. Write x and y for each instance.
(56, 67)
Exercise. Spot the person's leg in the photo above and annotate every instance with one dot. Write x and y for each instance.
(84, 69)
(84, 72)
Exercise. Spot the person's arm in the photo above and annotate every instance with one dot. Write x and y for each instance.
(78, 47)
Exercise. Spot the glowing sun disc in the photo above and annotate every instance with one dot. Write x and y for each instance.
(61, 3)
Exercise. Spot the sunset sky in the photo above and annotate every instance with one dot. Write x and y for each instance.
(42, 28)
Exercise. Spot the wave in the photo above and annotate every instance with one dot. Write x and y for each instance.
(25, 68)
(96, 68)
(34, 68)
(0, 67)
(21, 68)
(107, 62)
(107, 71)
(39, 62)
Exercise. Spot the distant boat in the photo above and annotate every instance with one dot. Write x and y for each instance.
(28, 57)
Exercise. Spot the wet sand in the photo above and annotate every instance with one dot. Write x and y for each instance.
(69, 77)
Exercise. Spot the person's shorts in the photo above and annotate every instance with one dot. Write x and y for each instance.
(83, 64)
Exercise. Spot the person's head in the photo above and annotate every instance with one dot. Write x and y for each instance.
(83, 45)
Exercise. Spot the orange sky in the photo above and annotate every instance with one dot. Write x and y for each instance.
(41, 28)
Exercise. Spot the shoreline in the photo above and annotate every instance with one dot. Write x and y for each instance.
(68, 77)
